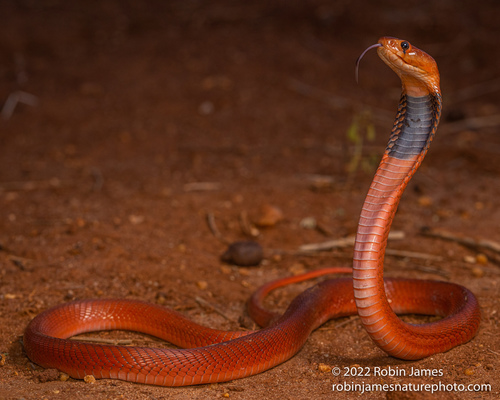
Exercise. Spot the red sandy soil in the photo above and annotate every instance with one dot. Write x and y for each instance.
(254, 101)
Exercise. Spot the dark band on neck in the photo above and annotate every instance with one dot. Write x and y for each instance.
(414, 127)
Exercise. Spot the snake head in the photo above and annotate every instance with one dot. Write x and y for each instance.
(417, 70)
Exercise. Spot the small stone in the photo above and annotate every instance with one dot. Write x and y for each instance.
(80, 222)
(477, 272)
(479, 205)
(268, 216)
(425, 201)
(225, 269)
(276, 257)
(481, 258)
(226, 395)
(322, 184)
(324, 367)
(297, 269)
(89, 379)
(70, 295)
(244, 254)
(202, 285)
(161, 298)
(2, 360)
(206, 108)
(63, 377)
(136, 219)
(470, 259)
(308, 223)
(469, 371)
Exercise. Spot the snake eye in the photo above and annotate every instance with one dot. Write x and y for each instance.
(405, 46)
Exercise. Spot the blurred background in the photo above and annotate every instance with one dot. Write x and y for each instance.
(123, 123)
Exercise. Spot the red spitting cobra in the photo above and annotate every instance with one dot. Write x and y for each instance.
(209, 355)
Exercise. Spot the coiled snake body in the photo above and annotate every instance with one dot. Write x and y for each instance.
(209, 355)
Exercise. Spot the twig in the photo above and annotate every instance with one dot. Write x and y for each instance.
(494, 352)
(205, 303)
(247, 227)
(481, 243)
(324, 230)
(13, 99)
(213, 228)
(343, 242)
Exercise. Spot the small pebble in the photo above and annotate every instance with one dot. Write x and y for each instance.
(63, 377)
(70, 295)
(477, 272)
(225, 269)
(268, 216)
(202, 285)
(322, 184)
(324, 367)
(2, 360)
(161, 298)
(276, 257)
(244, 254)
(297, 269)
(89, 379)
(308, 223)
(469, 371)
(206, 108)
(136, 219)
(481, 258)
(470, 259)
(425, 201)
